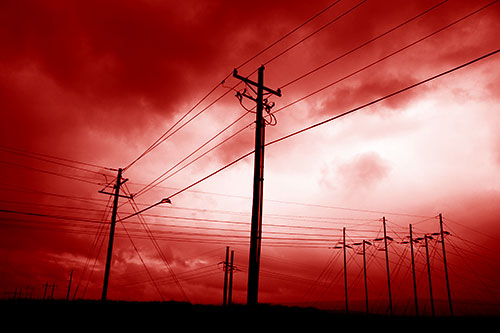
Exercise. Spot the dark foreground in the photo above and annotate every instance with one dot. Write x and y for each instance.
(175, 317)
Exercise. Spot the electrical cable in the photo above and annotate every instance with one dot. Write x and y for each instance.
(378, 100)
(362, 45)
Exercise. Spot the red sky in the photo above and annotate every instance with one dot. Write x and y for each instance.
(99, 81)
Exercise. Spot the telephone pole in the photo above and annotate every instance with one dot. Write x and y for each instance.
(364, 271)
(226, 267)
(345, 272)
(445, 265)
(258, 184)
(230, 290)
(413, 271)
(69, 285)
(426, 237)
(116, 195)
(387, 266)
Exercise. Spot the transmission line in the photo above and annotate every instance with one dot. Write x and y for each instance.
(378, 100)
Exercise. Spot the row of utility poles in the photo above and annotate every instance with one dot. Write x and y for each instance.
(258, 189)
(411, 241)
(257, 207)
(48, 290)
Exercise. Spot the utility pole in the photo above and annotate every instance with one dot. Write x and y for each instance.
(231, 269)
(116, 195)
(387, 265)
(258, 184)
(69, 285)
(53, 288)
(413, 271)
(426, 237)
(445, 265)
(226, 267)
(45, 286)
(345, 271)
(364, 271)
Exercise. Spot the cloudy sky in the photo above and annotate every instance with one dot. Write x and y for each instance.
(87, 87)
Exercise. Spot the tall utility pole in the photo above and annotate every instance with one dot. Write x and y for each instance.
(345, 271)
(258, 185)
(426, 237)
(445, 265)
(387, 266)
(119, 182)
(226, 267)
(413, 271)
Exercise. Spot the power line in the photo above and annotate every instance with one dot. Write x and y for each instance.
(363, 45)
(378, 100)
(383, 58)
(39, 155)
(289, 33)
(316, 31)
(157, 180)
(166, 135)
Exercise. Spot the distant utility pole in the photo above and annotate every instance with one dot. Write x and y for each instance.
(413, 271)
(69, 285)
(119, 182)
(227, 296)
(226, 267)
(231, 269)
(345, 271)
(258, 184)
(387, 266)
(45, 286)
(426, 237)
(445, 264)
(364, 271)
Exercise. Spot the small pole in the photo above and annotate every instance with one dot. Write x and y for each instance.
(364, 270)
(226, 267)
(45, 286)
(387, 265)
(53, 288)
(429, 274)
(69, 285)
(445, 265)
(345, 271)
(413, 271)
(230, 291)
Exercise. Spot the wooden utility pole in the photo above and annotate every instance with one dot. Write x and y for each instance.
(116, 195)
(258, 184)
(413, 271)
(387, 266)
(345, 271)
(45, 286)
(226, 268)
(69, 285)
(231, 269)
(426, 237)
(445, 264)
(364, 271)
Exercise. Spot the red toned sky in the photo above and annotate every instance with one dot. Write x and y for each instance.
(87, 86)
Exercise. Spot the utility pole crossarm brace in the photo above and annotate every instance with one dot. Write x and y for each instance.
(253, 83)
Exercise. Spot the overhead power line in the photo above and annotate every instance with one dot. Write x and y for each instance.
(289, 33)
(363, 44)
(170, 131)
(378, 100)
(379, 60)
